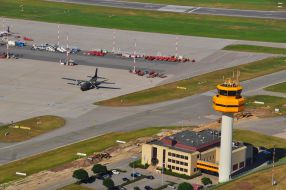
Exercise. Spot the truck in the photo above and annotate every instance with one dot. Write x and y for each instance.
(20, 44)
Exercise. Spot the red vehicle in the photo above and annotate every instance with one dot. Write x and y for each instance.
(95, 53)
(27, 39)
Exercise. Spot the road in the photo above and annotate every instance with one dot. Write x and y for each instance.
(192, 110)
(182, 9)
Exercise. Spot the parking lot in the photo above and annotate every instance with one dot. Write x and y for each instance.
(158, 181)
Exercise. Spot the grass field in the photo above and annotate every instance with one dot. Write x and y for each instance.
(258, 139)
(148, 21)
(281, 87)
(67, 154)
(258, 49)
(30, 128)
(196, 84)
(232, 4)
(270, 102)
(259, 180)
(75, 187)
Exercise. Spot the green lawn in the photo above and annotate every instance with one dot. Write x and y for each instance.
(67, 154)
(258, 49)
(270, 102)
(258, 139)
(232, 4)
(196, 84)
(281, 87)
(259, 180)
(75, 187)
(37, 125)
(148, 21)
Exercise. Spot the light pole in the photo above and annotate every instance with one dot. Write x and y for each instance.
(163, 173)
(134, 159)
(273, 161)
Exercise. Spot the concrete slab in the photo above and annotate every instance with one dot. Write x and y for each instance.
(29, 88)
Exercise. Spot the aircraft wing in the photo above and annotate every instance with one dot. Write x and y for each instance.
(75, 80)
(107, 87)
(97, 77)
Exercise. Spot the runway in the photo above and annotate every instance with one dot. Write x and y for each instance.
(182, 9)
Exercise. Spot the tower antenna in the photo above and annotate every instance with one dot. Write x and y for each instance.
(237, 75)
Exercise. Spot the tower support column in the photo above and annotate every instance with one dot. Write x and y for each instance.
(225, 164)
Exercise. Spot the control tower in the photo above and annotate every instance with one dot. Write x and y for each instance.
(228, 101)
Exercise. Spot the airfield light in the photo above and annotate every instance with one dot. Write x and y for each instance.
(228, 101)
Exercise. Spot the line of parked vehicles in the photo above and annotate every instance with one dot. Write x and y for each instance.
(147, 73)
(55, 48)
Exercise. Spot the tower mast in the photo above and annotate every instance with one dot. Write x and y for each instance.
(228, 101)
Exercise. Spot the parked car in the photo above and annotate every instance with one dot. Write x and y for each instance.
(115, 172)
(148, 187)
(50, 48)
(150, 177)
(171, 186)
(136, 174)
(61, 49)
(104, 176)
(125, 179)
(74, 50)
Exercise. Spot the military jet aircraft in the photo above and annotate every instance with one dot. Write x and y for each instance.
(90, 84)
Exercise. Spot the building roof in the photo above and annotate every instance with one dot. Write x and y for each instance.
(191, 141)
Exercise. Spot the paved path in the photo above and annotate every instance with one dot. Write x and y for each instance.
(182, 9)
(192, 110)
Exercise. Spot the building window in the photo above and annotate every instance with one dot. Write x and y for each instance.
(234, 167)
(185, 170)
(177, 168)
(177, 155)
(177, 162)
(186, 157)
(182, 156)
(173, 161)
(186, 164)
(198, 156)
(169, 160)
(173, 167)
(169, 166)
(181, 169)
(181, 163)
(173, 154)
(154, 152)
(169, 153)
(241, 164)
(195, 169)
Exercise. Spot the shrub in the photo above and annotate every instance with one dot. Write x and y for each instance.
(98, 169)
(108, 183)
(185, 186)
(80, 175)
(137, 164)
(206, 181)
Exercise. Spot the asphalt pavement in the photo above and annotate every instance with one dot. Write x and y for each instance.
(193, 110)
(182, 9)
